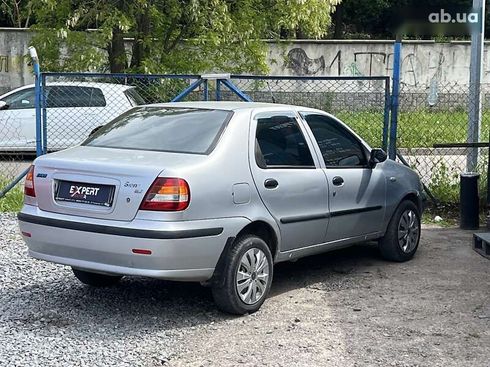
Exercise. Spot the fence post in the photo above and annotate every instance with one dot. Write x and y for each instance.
(44, 119)
(218, 90)
(386, 116)
(37, 99)
(395, 96)
(206, 90)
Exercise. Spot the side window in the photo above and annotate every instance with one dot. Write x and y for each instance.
(338, 146)
(74, 96)
(280, 143)
(20, 100)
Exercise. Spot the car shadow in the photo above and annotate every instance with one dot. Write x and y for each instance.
(330, 270)
(150, 304)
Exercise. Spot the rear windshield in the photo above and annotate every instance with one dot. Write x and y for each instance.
(181, 130)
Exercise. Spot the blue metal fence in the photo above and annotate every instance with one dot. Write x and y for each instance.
(362, 102)
(70, 105)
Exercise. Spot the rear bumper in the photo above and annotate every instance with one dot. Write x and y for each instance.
(185, 250)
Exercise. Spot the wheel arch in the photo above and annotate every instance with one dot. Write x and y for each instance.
(259, 228)
(412, 196)
(415, 198)
(265, 231)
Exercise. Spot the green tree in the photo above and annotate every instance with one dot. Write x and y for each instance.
(376, 19)
(170, 35)
(15, 13)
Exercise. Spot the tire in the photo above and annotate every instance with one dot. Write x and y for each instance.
(251, 257)
(402, 236)
(95, 279)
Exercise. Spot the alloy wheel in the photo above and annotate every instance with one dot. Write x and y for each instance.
(252, 276)
(408, 231)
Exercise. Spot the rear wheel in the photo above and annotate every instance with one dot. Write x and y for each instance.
(95, 279)
(403, 234)
(247, 277)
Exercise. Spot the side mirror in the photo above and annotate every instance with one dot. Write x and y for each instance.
(3, 105)
(94, 131)
(377, 156)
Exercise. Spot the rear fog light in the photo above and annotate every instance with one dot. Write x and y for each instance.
(140, 251)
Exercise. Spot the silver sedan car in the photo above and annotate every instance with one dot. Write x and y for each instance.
(216, 192)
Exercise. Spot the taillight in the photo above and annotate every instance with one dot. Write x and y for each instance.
(167, 194)
(29, 183)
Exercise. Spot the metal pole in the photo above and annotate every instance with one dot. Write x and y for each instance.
(395, 96)
(11, 185)
(37, 98)
(386, 116)
(187, 90)
(474, 108)
(45, 113)
(206, 91)
(487, 209)
(218, 90)
(243, 96)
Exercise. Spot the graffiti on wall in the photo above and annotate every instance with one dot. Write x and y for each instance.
(420, 70)
(4, 64)
(299, 62)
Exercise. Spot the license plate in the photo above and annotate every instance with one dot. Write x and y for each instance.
(85, 193)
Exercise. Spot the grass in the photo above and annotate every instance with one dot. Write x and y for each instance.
(12, 202)
(449, 215)
(416, 129)
(422, 129)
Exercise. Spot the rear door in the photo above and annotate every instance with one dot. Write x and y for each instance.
(357, 193)
(290, 183)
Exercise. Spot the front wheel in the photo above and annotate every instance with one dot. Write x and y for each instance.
(403, 234)
(247, 277)
(96, 279)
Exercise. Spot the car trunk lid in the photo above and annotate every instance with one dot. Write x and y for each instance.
(99, 182)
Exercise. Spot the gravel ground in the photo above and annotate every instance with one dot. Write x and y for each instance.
(346, 308)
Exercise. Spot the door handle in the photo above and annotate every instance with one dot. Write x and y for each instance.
(270, 183)
(338, 181)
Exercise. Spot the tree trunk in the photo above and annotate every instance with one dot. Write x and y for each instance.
(338, 22)
(140, 49)
(117, 53)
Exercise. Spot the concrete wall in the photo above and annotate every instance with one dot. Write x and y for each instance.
(423, 61)
(14, 71)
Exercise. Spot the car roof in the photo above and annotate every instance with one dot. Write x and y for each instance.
(227, 105)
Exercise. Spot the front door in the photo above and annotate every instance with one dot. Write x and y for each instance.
(290, 182)
(356, 192)
(18, 121)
